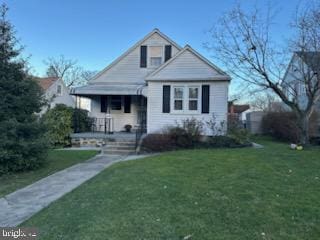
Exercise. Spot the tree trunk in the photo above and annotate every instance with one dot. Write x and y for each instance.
(303, 124)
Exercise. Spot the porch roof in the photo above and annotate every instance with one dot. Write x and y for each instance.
(108, 89)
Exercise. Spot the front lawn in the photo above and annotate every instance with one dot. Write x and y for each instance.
(57, 160)
(269, 193)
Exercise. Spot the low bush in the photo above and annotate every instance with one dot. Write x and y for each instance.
(158, 143)
(281, 125)
(240, 135)
(225, 141)
(188, 135)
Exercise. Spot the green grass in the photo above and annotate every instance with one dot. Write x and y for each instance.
(270, 193)
(57, 160)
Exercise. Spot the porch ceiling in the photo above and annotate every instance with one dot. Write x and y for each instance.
(114, 89)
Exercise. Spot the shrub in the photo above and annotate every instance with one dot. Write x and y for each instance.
(58, 121)
(281, 125)
(240, 135)
(225, 141)
(187, 134)
(81, 122)
(157, 143)
(216, 128)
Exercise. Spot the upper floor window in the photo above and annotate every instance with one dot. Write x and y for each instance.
(59, 90)
(156, 53)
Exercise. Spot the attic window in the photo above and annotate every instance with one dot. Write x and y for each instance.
(59, 90)
(156, 53)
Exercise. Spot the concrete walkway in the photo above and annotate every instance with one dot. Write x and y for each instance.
(20, 205)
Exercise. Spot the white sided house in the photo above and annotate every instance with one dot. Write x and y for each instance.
(155, 84)
(55, 92)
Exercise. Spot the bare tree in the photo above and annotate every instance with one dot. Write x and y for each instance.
(68, 71)
(266, 102)
(87, 75)
(242, 41)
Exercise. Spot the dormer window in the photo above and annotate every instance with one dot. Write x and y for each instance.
(156, 53)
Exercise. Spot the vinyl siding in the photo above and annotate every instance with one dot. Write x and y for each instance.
(186, 65)
(156, 120)
(128, 70)
(64, 98)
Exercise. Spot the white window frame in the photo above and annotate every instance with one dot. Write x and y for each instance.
(190, 99)
(185, 103)
(173, 98)
(149, 56)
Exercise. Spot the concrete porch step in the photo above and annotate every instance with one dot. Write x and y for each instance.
(119, 147)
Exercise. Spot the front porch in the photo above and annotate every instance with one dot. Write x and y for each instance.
(118, 113)
(113, 107)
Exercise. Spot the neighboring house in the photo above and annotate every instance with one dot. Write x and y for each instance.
(157, 83)
(55, 92)
(239, 111)
(301, 64)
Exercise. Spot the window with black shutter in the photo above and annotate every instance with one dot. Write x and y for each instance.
(167, 52)
(143, 56)
(205, 98)
(127, 104)
(166, 99)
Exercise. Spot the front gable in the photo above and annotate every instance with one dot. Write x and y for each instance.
(127, 69)
(188, 65)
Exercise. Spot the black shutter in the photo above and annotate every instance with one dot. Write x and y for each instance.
(205, 98)
(127, 104)
(166, 99)
(103, 101)
(167, 52)
(143, 56)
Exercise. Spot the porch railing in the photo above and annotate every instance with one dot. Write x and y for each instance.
(105, 125)
(141, 129)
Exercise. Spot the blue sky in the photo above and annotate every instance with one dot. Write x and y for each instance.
(95, 32)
